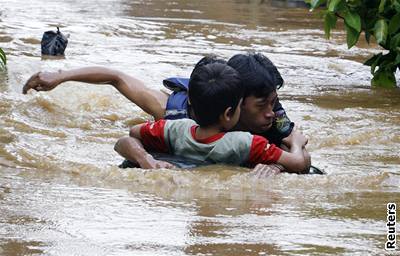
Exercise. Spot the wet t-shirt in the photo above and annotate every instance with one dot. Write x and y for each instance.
(178, 137)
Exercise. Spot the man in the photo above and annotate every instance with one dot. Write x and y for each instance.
(258, 112)
(211, 139)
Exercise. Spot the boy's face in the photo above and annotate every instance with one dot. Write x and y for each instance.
(257, 114)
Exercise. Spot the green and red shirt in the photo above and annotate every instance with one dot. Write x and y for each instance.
(178, 137)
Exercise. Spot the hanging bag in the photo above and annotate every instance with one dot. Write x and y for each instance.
(54, 43)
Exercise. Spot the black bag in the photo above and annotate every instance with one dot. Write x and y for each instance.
(54, 43)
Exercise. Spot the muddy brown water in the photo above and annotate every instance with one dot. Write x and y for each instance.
(61, 192)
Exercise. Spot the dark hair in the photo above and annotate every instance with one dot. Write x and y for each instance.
(259, 75)
(208, 60)
(212, 89)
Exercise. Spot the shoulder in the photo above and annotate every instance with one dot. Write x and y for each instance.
(238, 136)
(178, 127)
(233, 148)
(238, 141)
(180, 122)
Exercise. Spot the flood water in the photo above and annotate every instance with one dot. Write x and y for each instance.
(61, 192)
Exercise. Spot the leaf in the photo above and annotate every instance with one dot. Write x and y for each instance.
(384, 79)
(397, 60)
(394, 24)
(369, 21)
(353, 20)
(353, 3)
(382, 6)
(373, 59)
(352, 36)
(333, 5)
(316, 3)
(380, 31)
(3, 57)
(330, 22)
(367, 36)
(396, 5)
(373, 62)
(395, 42)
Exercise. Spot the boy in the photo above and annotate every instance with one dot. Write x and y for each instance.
(215, 95)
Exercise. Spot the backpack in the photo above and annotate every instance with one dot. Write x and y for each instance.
(177, 104)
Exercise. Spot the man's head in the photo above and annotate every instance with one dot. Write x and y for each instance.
(260, 79)
(215, 91)
(208, 60)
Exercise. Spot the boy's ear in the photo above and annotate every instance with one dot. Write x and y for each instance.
(242, 101)
(226, 116)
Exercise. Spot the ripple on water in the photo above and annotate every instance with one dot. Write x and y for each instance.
(60, 189)
(213, 181)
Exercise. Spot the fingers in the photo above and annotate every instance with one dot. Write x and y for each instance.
(163, 164)
(262, 171)
(32, 83)
(171, 166)
(257, 170)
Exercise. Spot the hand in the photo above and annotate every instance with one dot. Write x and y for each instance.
(150, 163)
(295, 138)
(42, 81)
(263, 171)
(162, 164)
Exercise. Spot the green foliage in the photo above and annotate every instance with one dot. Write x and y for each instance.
(377, 18)
(3, 59)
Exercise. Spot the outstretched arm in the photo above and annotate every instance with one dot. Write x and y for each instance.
(151, 101)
